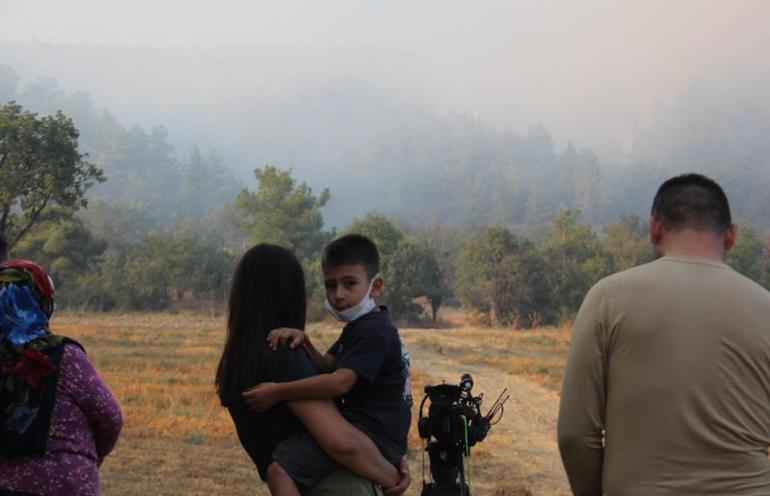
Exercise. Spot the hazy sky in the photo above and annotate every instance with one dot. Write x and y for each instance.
(591, 71)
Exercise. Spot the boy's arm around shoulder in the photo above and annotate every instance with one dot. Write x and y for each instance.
(324, 363)
(287, 336)
(322, 386)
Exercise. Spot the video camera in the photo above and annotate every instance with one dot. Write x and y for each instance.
(454, 424)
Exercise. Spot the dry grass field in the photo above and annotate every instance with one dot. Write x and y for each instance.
(177, 440)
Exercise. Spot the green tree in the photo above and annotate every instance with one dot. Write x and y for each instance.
(219, 225)
(380, 229)
(205, 184)
(430, 280)
(108, 288)
(41, 167)
(748, 256)
(397, 293)
(507, 278)
(121, 224)
(446, 244)
(141, 282)
(191, 266)
(412, 271)
(163, 268)
(477, 265)
(627, 243)
(69, 251)
(283, 212)
(401, 271)
(575, 254)
(521, 288)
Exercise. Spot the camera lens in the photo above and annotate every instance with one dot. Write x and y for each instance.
(466, 383)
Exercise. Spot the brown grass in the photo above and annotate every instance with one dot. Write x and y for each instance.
(536, 354)
(177, 439)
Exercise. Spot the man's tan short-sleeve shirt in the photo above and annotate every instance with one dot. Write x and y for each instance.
(672, 361)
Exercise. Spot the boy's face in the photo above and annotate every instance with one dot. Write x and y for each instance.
(346, 285)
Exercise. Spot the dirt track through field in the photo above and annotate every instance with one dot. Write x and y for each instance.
(521, 450)
(177, 439)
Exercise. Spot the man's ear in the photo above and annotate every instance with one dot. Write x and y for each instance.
(656, 231)
(731, 234)
(377, 286)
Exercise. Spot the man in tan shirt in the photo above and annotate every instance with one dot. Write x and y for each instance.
(667, 385)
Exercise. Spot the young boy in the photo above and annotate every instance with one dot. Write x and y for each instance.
(365, 370)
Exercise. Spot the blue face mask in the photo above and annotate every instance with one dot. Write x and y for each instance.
(21, 318)
(361, 308)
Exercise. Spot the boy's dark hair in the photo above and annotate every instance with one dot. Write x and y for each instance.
(3, 249)
(268, 292)
(352, 249)
(694, 201)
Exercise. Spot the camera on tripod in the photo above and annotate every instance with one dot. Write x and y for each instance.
(454, 424)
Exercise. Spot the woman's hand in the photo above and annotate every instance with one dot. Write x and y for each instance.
(262, 396)
(283, 335)
(404, 480)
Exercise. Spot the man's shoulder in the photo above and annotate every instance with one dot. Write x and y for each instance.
(628, 276)
(751, 291)
(690, 273)
(631, 282)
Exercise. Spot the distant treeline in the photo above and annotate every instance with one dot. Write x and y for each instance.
(501, 277)
(379, 150)
(158, 232)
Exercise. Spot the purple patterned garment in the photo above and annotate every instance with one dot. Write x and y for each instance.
(85, 426)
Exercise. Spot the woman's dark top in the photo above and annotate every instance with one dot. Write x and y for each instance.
(261, 432)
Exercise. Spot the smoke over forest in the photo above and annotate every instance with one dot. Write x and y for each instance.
(540, 130)
(378, 147)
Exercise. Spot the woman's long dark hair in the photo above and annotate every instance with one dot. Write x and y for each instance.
(268, 292)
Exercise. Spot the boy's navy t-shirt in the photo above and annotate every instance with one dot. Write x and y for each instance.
(380, 401)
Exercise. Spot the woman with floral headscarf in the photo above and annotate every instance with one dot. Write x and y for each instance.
(58, 419)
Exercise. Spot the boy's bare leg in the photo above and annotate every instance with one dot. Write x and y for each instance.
(279, 481)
